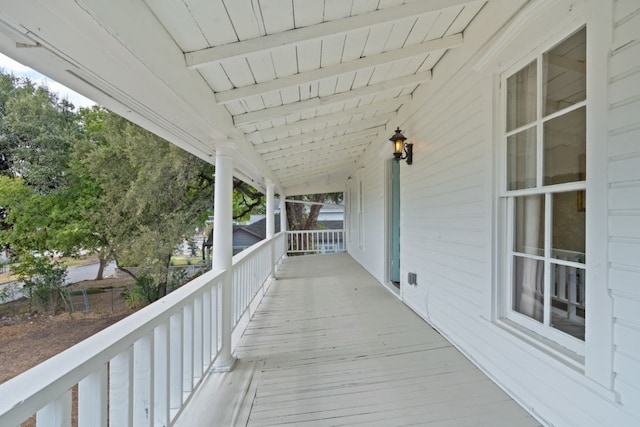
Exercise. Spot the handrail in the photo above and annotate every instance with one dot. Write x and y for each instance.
(154, 358)
(306, 242)
(251, 268)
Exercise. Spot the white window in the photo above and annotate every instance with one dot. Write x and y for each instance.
(544, 191)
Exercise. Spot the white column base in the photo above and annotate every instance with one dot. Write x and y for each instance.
(220, 367)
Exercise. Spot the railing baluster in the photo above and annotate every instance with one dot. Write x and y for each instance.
(206, 329)
(143, 359)
(187, 355)
(161, 411)
(175, 361)
(121, 389)
(573, 291)
(57, 413)
(562, 281)
(218, 316)
(92, 399)
(197, 339)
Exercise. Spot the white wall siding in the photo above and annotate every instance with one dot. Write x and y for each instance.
(371, 174)
(624, 200)
(448, 235)
(443, 214)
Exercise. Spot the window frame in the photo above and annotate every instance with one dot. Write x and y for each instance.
(506, 199)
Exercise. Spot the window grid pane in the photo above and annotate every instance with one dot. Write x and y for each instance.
(564, 73)
(568, 300)
(528, 292)
(543, 152)
(565, 148)
(521, 97)
(529, 225)
(522, 160)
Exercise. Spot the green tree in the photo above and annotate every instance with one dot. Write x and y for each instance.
(37, 132)
(152, 193)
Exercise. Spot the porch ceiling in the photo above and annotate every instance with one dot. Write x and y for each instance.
(300, 88)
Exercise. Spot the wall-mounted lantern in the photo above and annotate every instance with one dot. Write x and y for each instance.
(400, 147)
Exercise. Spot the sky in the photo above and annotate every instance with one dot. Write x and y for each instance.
(19, 70)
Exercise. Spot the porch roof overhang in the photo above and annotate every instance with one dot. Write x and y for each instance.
(299, 88)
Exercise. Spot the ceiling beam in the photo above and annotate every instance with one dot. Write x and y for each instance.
(327, 134)
(315, 147)
(270, 86)
(310, 164)
(355, 124)
(303, 161)
(305, 170)
(204, 57)
(386, 105)
(313, 103)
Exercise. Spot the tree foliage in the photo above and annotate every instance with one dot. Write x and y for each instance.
(37, 132)
(90, 180)
(246, 201)
(152, 193)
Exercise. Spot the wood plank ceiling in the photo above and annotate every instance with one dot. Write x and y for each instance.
(313, 83)
(300, 88)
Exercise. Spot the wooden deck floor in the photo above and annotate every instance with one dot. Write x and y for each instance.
(329, 346)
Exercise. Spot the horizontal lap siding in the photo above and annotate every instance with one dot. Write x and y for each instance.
(371, 173)
(624, 200)
(447, 234)
(443, 216)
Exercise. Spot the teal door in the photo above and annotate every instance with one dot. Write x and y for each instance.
(395, 221)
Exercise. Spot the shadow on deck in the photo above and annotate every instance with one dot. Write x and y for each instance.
(329, 346)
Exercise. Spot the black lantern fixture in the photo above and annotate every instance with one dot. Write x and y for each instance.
(399, 146)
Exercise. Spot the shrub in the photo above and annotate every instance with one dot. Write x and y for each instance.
(43, 281)
(144, 291)
(177, 277)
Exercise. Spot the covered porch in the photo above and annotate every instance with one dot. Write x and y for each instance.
(315, 340)
(301, 96)
(329, 345)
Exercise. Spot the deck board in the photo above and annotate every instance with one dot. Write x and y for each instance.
(334, 348)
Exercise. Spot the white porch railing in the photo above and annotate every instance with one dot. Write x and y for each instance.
(568, 284)
(142, 370)
(315, 241)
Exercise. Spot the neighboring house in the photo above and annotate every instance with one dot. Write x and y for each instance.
(245, 236)
(331, 213)
(328, 212)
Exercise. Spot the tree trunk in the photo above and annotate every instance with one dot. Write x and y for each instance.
(295, 213)
(314, 210)
(162, 286)
(101, 267)
(125, 270)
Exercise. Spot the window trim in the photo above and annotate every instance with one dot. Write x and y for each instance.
(546, 335)
(596, 367)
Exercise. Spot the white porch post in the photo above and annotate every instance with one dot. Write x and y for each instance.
(283, 213)
(222, 250)
(271, 227)
(283, 222)
(270, 210)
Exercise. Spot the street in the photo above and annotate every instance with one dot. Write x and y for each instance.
(74, 275)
